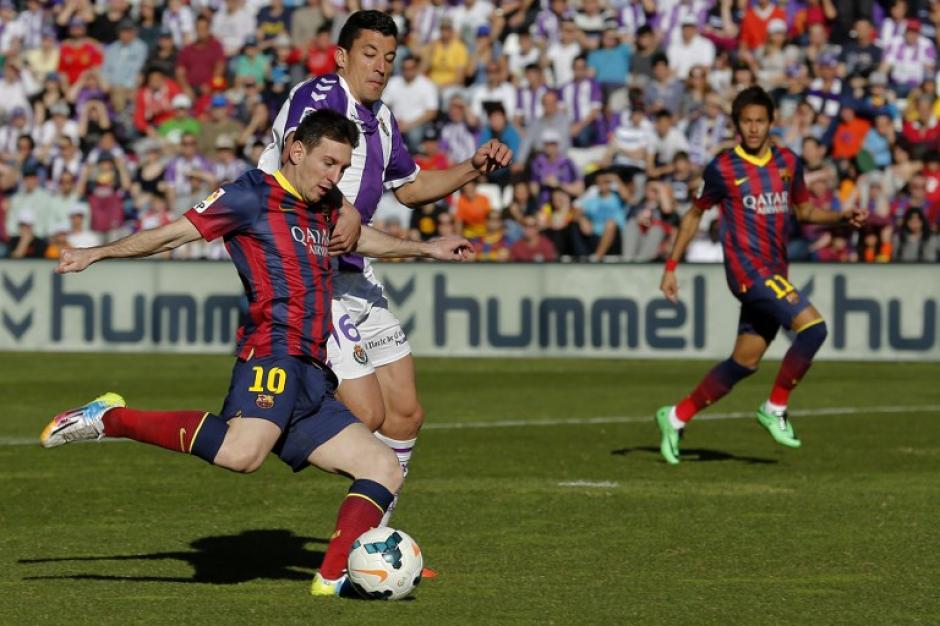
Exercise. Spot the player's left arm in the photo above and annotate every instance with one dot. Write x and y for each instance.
(431, 186)
(346, 231)
(852, 215)
(374, 243)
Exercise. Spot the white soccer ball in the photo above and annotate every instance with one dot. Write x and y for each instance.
(385, 564)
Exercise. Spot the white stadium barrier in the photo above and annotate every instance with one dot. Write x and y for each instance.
(884, 312)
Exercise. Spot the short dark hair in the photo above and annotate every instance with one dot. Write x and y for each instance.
(753, 95)
(329, 124)
(366, 20)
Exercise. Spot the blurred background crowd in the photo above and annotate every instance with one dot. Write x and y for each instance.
(119, 115)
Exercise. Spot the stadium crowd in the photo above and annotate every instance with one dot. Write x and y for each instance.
(119, 115)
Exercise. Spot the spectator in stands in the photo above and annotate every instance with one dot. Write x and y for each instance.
(273, 20)
(16, 87)
(105, 184)
(472, 211)
(163, 57)
(65, 200)
(523, 202)
(534, 246)
(457, 138)
(31, 21)
(554, 119)
(149, 177)
(431, 157)
(645, 232)
(11, 30)
(915, 242)
(18, 124)
(148, 27)
(154, 102)
(251, 63)
(909, 60)
(93, 123)
(78, 53)
(189, 177)
(61, 125)
(425, 220)
(67, 160)
(200, 62)
(179, 21)
(413, 98)
(641, 61)
(529, 96)
(498, 127)
(628, 148)
(29, 219)
(582, 99)
(307, 22)
(665, 142)
(321, 53)
(923, 131)
(496, 90)
(559, 224)
(182, 121)
(123, 61)
(233, 25)
(863, 55)
(825, 92)
(707, 249)
(602, 216)
(610, 63)
(755, 22)
(524, 55)
(447, 60)
(551, 168)
(690, 49)
(218, 123)
(227, 165)
(43, 59)
(106, 25)
(849, 135)
(664, 91)
(562, 53)
(491, 245)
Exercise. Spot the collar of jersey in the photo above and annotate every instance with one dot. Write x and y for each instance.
(283, 182)
(758, 161)
(366, 117)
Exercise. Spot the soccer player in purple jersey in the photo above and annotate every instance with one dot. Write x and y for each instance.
(369, 350)
(277, 230)
(755, 185)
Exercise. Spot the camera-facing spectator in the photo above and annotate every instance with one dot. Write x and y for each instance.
(533, 246)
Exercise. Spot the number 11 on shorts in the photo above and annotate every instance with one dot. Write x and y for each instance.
(780, 285)
(276, 380)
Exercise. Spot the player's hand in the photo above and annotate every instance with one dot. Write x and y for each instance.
(670, 287)
(450, 248)
(491, 156)
(855, 217)
(346, 232)
(75, 260)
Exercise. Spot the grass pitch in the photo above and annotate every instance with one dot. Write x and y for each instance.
(571, 519)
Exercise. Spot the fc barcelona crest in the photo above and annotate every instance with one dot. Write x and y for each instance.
(264, 401)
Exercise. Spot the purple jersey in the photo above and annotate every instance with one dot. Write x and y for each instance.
(381, 160)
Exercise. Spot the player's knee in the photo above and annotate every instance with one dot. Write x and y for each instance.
(814, 336)
(244, 460)
(386, 470)
(372, 415)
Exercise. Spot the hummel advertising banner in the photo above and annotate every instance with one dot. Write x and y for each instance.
(883, 312)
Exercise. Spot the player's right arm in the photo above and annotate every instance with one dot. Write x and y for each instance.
(711, 192)
(143, 243)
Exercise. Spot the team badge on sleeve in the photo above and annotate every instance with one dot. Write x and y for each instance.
(205, 204)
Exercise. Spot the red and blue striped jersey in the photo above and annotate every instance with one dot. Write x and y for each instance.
(755, 198)
(278, 243)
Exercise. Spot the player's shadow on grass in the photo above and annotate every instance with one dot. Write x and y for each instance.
(220, 560)
(700, 454)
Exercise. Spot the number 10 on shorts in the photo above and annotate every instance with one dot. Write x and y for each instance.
(275, 383)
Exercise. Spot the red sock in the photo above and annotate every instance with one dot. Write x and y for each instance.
(716, 384)
(362, 509)
(173, 430)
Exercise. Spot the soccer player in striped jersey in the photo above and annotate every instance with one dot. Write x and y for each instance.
(277, 230)
(369, 350)
(756, 185)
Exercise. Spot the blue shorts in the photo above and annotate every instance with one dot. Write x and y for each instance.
(771, 302)
(294, 393)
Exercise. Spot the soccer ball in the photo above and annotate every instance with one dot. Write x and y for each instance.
(384, 564)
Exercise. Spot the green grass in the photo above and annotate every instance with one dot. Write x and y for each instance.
(742, 532)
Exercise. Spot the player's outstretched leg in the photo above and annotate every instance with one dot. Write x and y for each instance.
(716, 384)
(376, 476)
(772, 415)
(192, 432)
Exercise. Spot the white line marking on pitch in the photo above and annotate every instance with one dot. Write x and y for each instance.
(602, 484)
(588, 421)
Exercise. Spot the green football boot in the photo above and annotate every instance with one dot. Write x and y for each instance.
(669, 445)
(779, 427)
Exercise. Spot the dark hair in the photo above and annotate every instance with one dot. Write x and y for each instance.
(329, 124)
(658, 58)
(662, 113)
(924, 232)
(366, 20)
(534, 67)
(752, 95)
(645, 29)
